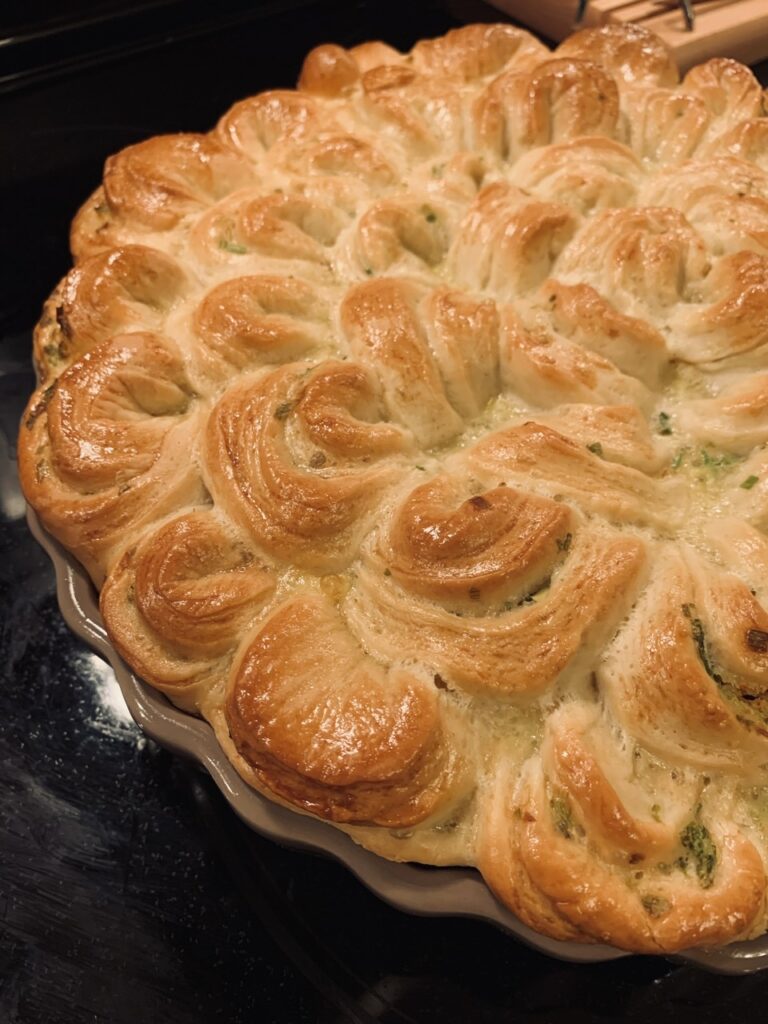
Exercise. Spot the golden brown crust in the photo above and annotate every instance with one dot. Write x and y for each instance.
(566, 884)
(553, 102)
(260, 319)
(155, 183)
(305, 511)
(254, 125)
(128, 288)
(105, 448)
(328, 70)
(478, 50)
(626, 50)
(564, 592)
(178, 603)
(488, 546)
(415, 424)
(507, 241)
(729, 89)
(418, 345)
(327, 728)
(564, 468)
(585, 173)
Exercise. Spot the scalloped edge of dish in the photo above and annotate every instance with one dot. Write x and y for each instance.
(425, 891)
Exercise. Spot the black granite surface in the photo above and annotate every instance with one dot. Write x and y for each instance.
(129, 892)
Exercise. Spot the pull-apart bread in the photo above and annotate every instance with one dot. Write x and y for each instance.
(413, 426)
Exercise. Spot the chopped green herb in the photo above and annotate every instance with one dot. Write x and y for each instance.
(596, 448)
(664, 423)
(228, 246)
(705, 459)
(679, 458)
(368, 270)
(430, 217)
(387, 571)
(717, 463)
(695, 838)
(562, 816)
(655, 906)
(52, 353)
(564, 543)
(749, 483)
(283, 410)
(422, 468)
(656, 812)
(700, 639)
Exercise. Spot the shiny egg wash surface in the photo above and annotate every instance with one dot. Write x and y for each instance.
(412, 426)
(711, 472)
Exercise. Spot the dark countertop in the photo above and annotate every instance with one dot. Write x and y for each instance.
(128, 890)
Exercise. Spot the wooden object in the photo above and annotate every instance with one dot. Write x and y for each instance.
(724, 28)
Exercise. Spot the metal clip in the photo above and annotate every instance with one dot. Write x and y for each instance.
(686, 6)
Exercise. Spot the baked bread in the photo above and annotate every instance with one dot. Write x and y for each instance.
(413, 425)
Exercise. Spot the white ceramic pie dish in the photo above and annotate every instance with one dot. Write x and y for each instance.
(456, 892)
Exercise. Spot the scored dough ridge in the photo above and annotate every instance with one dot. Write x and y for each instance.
(413, 426)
